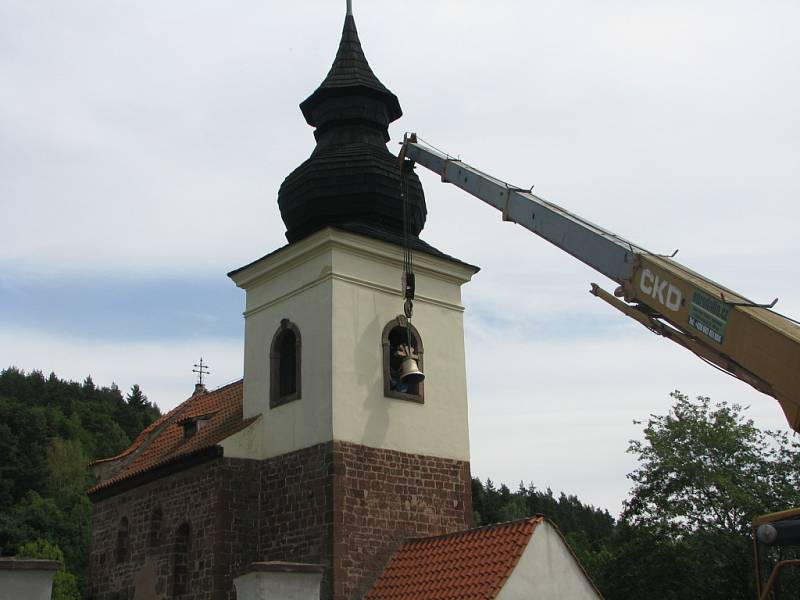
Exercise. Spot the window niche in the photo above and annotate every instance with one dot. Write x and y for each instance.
(122, 547)
(154, 536)
(395, 333)
(180, 561)
(284, 364)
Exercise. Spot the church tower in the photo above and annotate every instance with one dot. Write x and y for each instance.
(323, 454)
(355, 461)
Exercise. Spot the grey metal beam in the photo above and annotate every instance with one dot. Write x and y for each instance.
(593, 245)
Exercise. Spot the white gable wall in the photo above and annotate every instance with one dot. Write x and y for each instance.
(547, 570)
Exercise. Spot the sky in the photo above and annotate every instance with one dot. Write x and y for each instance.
(142, 145)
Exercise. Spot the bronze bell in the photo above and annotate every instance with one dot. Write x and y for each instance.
(409, 369)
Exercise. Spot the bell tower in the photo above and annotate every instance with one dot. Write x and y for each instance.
(355, 460)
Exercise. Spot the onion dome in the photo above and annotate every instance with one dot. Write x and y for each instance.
(351, 179)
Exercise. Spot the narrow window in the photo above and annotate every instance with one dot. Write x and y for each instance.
(180, 561)
(284, 359)
(156, 517)
(288, 361)
(121, 550)
(399, 332)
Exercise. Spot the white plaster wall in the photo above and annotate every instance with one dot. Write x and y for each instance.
(278, 586)
(247, 443)
(294, 285)
(547, 570)
(28, 584)
(340, 290)
(366, 296)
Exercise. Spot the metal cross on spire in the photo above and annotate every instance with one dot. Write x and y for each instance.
(201, 369)
(350, 7)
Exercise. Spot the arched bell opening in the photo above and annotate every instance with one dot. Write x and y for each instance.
(403, 370)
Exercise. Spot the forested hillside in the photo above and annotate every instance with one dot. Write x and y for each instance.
(50, 430)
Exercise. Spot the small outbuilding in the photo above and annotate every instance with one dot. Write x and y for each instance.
(518, 560)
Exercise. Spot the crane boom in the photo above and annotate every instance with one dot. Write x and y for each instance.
(747, 340)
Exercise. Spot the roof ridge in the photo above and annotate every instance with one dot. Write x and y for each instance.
(143, 436)
(145, 433)
(226, 385)
(538, 518)
(166, 442)
(534, 522)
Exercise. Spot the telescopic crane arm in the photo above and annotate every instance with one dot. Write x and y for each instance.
(746, 340)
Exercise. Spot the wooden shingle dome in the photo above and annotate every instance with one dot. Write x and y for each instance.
(351, 178)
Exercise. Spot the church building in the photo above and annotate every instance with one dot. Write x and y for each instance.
(322, 454)
(318, 455)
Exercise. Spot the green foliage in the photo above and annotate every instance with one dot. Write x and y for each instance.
(67, 468)
(705, 467)
(49, 432)
(40, 549)
(492, 505)
(65, 586)
(704, 472)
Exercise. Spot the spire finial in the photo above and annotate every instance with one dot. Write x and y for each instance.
(350, 7)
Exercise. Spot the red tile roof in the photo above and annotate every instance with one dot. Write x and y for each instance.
(468, 565)
(163, 441)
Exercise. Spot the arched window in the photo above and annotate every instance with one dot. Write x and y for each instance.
(121, 550)
(154, 537)
(284, 364)
(399, 332)
(180, 561)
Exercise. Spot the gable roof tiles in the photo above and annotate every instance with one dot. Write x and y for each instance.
(163, 441)
(468, 565)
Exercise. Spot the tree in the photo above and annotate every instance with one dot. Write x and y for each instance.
(704, 472)
(137, 412)
(65, 586)
(67, 468)
(705, 467)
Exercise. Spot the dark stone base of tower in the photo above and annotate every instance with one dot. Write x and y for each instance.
(383, 497)
(344, 506)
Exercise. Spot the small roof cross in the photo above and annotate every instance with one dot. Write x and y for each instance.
(201, 369)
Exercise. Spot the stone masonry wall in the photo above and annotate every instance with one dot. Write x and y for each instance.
(297, 509)
(341, 505)
(383, 497)
(217, 499)
(348, 507)
(238, 521)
